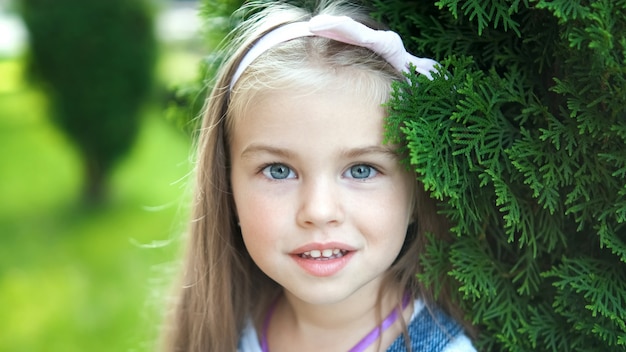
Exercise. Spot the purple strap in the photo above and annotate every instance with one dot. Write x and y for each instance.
(361, 345)
(375, 333)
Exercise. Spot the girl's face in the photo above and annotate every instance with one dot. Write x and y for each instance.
(323, 205)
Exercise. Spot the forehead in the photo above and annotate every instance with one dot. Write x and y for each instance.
(312, 119)
(363, 87)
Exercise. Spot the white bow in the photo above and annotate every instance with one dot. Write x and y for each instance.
(387, 44)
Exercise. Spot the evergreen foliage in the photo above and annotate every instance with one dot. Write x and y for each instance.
(187, 100)
(95, 58)
(522, 137)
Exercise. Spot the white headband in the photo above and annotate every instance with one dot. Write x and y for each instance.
(344, 29)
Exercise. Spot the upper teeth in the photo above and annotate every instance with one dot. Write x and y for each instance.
(326, 253)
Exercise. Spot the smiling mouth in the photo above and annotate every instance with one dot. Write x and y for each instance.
(326, 254)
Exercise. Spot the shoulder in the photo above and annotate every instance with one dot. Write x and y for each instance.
(249, 341)
(430, 329)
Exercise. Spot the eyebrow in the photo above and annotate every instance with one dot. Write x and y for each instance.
(253, 149)
(385, 150)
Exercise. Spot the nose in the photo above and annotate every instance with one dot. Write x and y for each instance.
(320, 203)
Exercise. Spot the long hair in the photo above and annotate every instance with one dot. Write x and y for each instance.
(221, 285)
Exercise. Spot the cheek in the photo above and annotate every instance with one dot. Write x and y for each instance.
(395, 214)
(260, 222)
(393, 230)
(383, 217)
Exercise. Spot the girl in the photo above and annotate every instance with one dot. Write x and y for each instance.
(306, 229)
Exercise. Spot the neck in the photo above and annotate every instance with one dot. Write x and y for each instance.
(334, 315)
(336, 326)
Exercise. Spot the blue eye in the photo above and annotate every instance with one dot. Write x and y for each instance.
(278, 172)
(361, 171)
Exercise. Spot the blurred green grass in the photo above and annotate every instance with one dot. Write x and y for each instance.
(85, 279)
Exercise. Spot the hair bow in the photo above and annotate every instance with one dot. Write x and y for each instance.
(387, 44)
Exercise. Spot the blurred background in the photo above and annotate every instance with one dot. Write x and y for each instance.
(94, 168)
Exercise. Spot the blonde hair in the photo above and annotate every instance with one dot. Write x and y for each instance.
(222, 287)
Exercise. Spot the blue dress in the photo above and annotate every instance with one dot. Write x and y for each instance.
(433, 332)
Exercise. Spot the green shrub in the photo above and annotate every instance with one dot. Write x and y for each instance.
(95, 58)
(524, 143)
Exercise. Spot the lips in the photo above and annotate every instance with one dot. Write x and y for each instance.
(323, 260)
